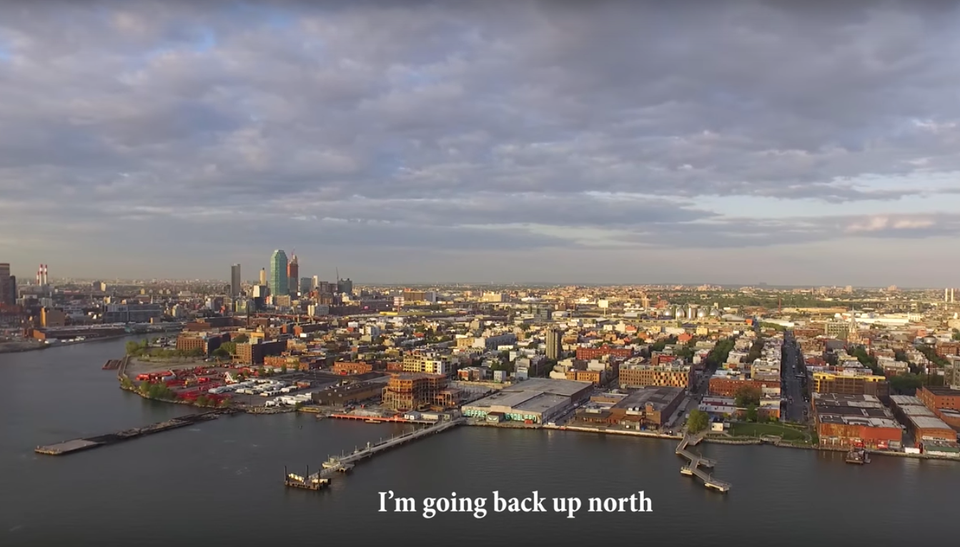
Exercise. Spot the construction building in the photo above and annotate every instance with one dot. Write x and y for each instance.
(642, 375)
(845, 421)
(418, 391)
(850, 384)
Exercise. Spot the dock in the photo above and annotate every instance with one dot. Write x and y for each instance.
(77, 445)
(380, 419)
(345, 463)
(697, 462)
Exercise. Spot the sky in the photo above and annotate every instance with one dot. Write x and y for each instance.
(791, 143)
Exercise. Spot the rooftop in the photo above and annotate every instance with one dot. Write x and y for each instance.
(942, 391)
(659, 397)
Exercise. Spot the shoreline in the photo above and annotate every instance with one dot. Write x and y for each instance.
(38, 347)
(121, 375)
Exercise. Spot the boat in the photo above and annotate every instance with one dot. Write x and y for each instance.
(371, 421)
(858, 456)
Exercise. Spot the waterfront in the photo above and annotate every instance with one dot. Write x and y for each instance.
(222, 480)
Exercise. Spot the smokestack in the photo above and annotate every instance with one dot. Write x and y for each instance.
(951, 296)
(45, 280)
(40, 274)
(946, 295)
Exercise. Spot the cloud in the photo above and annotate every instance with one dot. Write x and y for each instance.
(470, 125)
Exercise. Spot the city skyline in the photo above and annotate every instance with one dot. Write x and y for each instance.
(529, 142)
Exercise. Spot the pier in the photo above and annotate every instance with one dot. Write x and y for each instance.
(380, 419)
(697, 462)
(77, 445)
(345, 463)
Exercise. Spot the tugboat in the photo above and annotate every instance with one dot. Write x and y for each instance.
(858, 456)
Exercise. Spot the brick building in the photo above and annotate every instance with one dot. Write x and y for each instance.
(253, 354)
(844, 421)
(346, 368)
(727, 385)
(944, 402)
(587, 354)
(595, 377)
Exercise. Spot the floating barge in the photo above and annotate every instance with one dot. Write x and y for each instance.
(857, 456)
(304, 482)
(77, 445)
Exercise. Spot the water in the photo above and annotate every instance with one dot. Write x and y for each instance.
(221, 481)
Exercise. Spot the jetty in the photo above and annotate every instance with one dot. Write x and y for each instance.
(344, 463)
(77, 445)
(115, 364)
(698, 462)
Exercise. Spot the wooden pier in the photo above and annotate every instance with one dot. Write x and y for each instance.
(345, 463)
(77, 445)
(697, 462)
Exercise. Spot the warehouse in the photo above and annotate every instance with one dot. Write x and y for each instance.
(644, 408)
(844, 421)
(537, 400)
(921, 421)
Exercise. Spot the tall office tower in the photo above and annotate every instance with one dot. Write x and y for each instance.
(263, 276)
(12, 289)
(344, 286)
(278, 283)
(235, 280)
(316, 282)
(293, 275)
(946, 295)
(554, 344)
(5, 283)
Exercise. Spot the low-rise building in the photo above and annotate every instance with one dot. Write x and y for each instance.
(844, 421)
(537, 400)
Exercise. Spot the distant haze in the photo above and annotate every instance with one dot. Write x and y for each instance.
(607, 142)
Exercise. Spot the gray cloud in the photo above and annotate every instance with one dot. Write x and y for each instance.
(472, 125)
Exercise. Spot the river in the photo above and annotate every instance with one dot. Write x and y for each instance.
(221, 481)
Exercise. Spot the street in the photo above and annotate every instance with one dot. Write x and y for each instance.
(794, 406)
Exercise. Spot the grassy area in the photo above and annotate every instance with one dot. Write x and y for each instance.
(787, 433)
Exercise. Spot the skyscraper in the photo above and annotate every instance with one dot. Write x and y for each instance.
(235, 280)
(293, 275)
(554, 344)
(278, 283)
(5, 284)
(263, 276)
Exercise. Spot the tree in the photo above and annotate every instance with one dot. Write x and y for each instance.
(221, 353)
(240, 339)
(746, 396)
(229, 347)
(906, 384)
(697, 421)
(751, 415)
